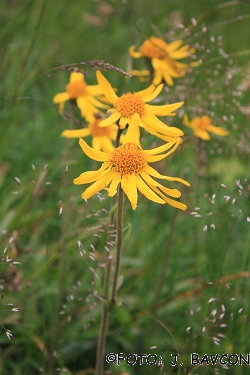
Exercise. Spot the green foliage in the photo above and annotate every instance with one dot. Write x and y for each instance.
(184, 285)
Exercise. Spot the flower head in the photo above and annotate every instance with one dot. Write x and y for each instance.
(128, 165)
(84, 95)
(134, 105)
(101, 137)
(202, 125)
(164, 58)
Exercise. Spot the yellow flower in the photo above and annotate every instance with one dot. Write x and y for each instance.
(85, 96)
(128, 105)
(202, 125)
(163, 58)
(101, 137)
(128, 165)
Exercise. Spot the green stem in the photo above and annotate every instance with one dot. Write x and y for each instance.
(118, 243)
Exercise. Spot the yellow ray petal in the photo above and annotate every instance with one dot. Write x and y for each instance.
(163, 110)
(110, 120)
(203, 134)
(146, 191)
(90, 176)
(176, 204)
(97, 143)
(61, 97)
(133, 132)
(160, 149)
(77, 133)
(94, 90)
(153, 122)
(93, 154)
(106, 144)
(153, 95)
(74, 77)
(146, 92)
(135, 55)
(172, 192)
(97, 103)
(158, 77)
(112, 190)
(186, 120)
(151, 171)
(217, 130)
(123, 122)
(174, 45)
(106, 87)
(128, 184)
(171, 202)
(98, 185)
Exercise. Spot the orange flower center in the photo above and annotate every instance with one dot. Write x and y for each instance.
(154, 47)
(97, 131)
(76, 89)
(202, 123)
(129, 104)
(128, 159)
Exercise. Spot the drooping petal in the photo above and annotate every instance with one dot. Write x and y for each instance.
(128, 184)
(172, 192)
(106, 144)
(176, 204)
(97, 103)
(151, 171)
(146, 191)
(133, 132)
(93, 154)
(76, 133)
(171, 202)
(158, 77)
(152, 121)
(61, 97)
(110, 120)
(98, 185)
(163, 110)
(154, 158)
(106, 87)
(203, 134)
(97, 143)
(112, 190)
(123, 122)
(160, 149)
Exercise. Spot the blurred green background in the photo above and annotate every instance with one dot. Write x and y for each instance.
(185, 286)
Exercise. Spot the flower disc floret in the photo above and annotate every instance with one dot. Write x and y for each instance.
(97, 131)
(128, 159)
(76, 89)
(153, 48)
(129, 104)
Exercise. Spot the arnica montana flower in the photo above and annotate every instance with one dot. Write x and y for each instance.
(163, 58)
(84, 95)
(126, 106)
(128, 165)
(202, 125)
(101, 137)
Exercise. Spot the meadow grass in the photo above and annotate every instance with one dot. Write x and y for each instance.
(184, 280)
